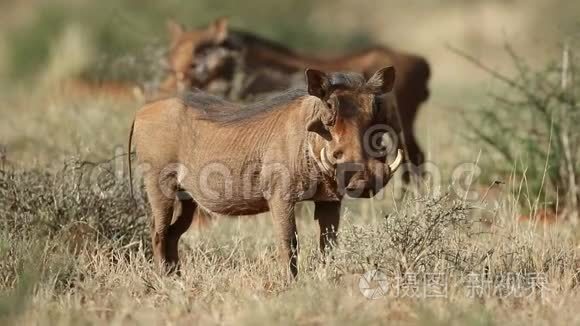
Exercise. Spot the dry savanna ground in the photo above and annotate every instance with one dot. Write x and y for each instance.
(75, 248)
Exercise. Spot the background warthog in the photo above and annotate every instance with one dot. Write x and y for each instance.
(242, 64)
(233, 160)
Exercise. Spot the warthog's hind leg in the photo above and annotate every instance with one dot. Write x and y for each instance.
(162, 194)
(180, 225)
(162, 207)
(415, 156)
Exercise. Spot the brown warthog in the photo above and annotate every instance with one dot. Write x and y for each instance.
(268, 156)
(218, 59)
(184, 44)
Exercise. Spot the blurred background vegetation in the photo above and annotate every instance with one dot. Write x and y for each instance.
(39, 36)
(74, 249)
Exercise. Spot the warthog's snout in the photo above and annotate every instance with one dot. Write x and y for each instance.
(351, 177)
(357, 183)
(358, 180)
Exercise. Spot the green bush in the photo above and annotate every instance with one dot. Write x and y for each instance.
(529, 128)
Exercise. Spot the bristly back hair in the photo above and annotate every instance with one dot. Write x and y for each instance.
(216, 109)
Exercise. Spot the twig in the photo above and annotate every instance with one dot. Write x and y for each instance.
(496, 182)
(487, 69)
(546, 164)
(566, 141)
(510, 82)
(97, 163)
(3, 157)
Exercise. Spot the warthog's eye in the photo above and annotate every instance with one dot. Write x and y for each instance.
(202, 48)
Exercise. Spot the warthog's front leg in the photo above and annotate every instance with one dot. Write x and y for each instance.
(285, 227)
(328, 216)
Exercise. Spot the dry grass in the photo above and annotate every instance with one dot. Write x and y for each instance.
(74, 248)
(41, 129)
(70, 255)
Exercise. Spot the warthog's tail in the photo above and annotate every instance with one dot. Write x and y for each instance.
(129, 161)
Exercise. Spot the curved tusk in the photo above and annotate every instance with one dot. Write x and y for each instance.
(325, 161)
(398, 160)
(329, 159)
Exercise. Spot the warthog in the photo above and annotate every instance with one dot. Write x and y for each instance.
(181, 48)
(231, 160)
(213, 58)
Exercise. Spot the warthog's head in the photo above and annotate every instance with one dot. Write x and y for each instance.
(350, 119)
(198, 56)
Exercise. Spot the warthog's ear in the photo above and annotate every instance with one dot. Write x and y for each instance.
(382, 81)
(175, 30)
(317, 82)
(220, 29)
(318, 86)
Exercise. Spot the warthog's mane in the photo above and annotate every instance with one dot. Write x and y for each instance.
(216, 109)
